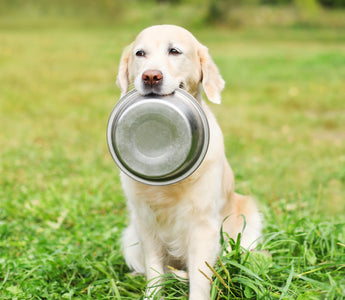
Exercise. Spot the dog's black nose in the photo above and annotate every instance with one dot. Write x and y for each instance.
(152, 77)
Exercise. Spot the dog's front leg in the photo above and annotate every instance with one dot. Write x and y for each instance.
(204, 247)
(153, 266)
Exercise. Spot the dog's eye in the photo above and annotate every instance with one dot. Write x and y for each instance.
(140, 53)
(174, 51)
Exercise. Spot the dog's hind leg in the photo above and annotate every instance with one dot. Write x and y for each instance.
(242, 216)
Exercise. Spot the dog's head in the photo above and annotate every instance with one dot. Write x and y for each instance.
(165, 57)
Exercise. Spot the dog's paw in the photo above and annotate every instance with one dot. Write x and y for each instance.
(180, 274)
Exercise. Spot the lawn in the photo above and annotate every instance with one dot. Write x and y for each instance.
(61, 205)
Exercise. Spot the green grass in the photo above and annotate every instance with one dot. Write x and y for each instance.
(61, 205)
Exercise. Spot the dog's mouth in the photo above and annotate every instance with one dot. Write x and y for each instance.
(157, 91)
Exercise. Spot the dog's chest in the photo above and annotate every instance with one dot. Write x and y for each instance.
(169, 215)
(167, 210)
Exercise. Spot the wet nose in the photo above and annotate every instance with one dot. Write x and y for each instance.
(152, 77)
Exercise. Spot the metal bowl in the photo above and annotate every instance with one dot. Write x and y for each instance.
(158, 140)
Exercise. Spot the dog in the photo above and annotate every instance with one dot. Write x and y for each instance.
(179, 225)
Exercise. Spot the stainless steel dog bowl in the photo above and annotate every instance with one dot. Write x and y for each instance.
(158, 140)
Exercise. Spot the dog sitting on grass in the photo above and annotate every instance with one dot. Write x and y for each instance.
(179, 225)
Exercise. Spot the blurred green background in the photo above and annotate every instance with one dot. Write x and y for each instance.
(61, 205)
(282, 112)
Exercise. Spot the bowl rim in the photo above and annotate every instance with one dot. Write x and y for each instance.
(117, 110)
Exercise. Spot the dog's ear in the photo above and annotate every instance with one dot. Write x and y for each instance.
(212, 81)
(122, 80)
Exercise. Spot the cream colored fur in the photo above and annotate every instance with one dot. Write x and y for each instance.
(179, 224)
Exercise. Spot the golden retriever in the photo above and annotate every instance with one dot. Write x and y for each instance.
(179, 224)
